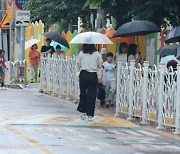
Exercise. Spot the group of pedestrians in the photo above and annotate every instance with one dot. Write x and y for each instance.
(34, 57)
(98, 75)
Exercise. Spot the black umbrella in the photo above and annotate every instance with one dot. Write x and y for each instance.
(169, 50)
(136, 28)
(173, 35)
(57, 37)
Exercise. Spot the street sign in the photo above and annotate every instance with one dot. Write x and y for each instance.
(22, 18)
(5, 23)
(20, 3)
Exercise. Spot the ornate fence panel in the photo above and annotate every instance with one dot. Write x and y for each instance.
(59, 76)
(152, 94)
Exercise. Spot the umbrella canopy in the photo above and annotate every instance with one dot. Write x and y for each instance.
(128, 40)
(169, 50)
(31, 42)
(167, 58)
(173, 35)
(91, 38)
(63, 48)
(57, 37)
(136, 28)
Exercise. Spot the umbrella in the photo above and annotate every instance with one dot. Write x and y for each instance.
(173, 35)
(177, 59)
(136, 28)
(169, 50)
(57, 37)
(31, 42)
(167, 58)
(63, 48)
(91, 38)
(128, 40)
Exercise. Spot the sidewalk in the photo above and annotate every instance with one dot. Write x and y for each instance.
(32, 122)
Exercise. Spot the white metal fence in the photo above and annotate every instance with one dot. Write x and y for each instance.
(59, 77)
(16, 72)
(153, 94)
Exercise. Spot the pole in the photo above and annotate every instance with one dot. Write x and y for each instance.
(160, 97)
(118, 103)
(132, 66)
(22, 43)
(145, 84)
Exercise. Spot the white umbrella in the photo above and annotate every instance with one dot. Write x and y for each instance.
(91, 38)
(31, 42)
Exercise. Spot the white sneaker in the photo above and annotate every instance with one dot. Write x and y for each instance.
(83, 116)
(89, 118)
(3, 88)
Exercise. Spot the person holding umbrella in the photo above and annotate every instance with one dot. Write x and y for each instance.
(47, 49)
(58, 51)
(89, 61)
(122, 54)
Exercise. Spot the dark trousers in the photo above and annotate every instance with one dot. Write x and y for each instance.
(88, 88)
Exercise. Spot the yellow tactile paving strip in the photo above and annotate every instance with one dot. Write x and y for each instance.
(114, 122)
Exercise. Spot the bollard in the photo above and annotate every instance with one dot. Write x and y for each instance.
(144, 106)
(177, 122)
(130, 111)
(119, 65)
(160, 97)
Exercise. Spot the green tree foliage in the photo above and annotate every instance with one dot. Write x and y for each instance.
(54, 11)
(157, 11)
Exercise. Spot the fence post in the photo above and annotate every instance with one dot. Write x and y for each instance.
(41, 70)
(76, 82)
(48, 74)
(60, 76)
(54, 76)
(132, 66)
(10, 73)
(160, 96)
(25, 63)
(119, 65)
(177, 122)
(144, 106)
(68, 78)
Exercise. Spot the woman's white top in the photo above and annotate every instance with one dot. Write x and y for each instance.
(89, 62)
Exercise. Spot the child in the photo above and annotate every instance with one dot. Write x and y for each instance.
(2, 67)
(110, 82)
(101, 79)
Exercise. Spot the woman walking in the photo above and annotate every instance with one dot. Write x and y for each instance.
(89, 61)
(2, 68)
(34, 59)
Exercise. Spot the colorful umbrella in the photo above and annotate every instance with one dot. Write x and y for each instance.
(63, 48)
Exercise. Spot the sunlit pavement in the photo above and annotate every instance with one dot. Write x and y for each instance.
(33, 123)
